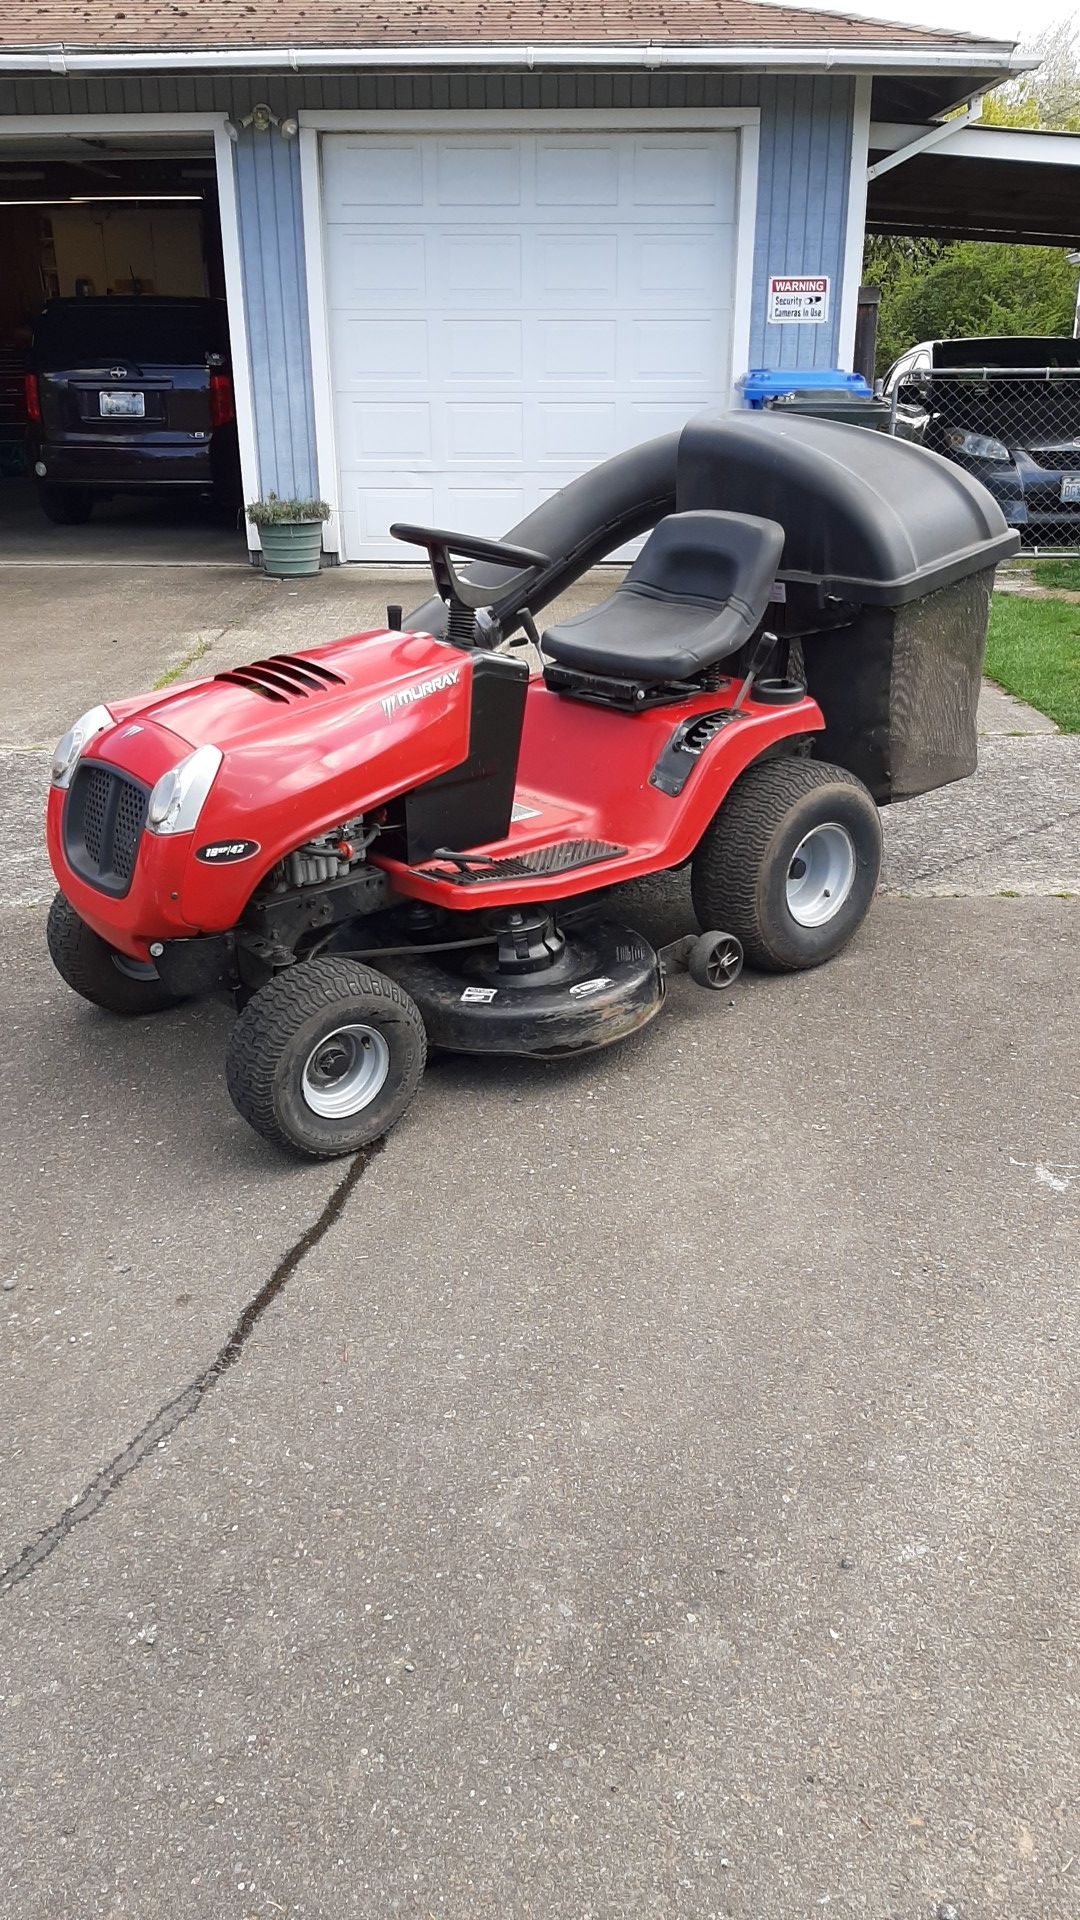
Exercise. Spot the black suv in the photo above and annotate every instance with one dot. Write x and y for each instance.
(131, 395)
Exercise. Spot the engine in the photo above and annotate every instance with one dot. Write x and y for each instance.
(329, 857)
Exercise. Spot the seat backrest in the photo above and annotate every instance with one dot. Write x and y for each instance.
(710, 559)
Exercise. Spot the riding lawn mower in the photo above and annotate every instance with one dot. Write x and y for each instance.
(408, 838)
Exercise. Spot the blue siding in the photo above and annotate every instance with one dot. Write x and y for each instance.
(275, 298)
(806, 128)
(804, 165)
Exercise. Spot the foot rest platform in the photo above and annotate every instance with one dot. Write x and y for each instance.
(564, 857)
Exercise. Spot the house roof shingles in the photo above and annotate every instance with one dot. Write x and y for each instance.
(140, 25)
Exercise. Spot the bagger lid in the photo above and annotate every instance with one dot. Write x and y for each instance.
(866, 517)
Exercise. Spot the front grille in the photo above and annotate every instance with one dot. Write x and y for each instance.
(127, 828)
(1055, 459)
(104, 817)
(95, 807)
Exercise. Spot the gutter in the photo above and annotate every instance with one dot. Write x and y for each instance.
(992, 57)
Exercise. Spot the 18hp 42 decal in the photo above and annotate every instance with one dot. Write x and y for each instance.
(222, 853)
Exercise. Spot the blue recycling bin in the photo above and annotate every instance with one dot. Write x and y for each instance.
(763, 384)
(826, 392)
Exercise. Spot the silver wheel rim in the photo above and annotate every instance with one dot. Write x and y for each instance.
(821, 874)
(345, 1071)
(133, 969)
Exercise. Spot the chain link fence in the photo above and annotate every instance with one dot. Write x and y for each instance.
(1017, 430)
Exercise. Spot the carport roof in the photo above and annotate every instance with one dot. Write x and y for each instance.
(979, 183)
(119, 25)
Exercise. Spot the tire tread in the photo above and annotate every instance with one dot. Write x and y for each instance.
(272, 1016)
(84, 961)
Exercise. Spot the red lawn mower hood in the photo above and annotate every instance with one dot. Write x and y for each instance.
(355, 722)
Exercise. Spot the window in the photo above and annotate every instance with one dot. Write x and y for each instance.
(80, 333)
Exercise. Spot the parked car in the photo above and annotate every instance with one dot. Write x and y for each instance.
(130, 395)
(1007, 410)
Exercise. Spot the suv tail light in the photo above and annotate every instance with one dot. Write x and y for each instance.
(222, 404)
(32, 398)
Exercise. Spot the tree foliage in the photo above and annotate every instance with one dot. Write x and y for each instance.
(1048, 98)
(935, 290)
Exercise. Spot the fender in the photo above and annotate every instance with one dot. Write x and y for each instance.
(620, 797)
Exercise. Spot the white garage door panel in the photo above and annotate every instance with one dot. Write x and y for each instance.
(476, 351)
(507, 310)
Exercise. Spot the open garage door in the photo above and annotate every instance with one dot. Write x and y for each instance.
(118, 434)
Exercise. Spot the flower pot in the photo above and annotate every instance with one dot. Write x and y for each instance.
(291, 547)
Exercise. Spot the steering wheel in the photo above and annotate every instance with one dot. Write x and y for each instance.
(448, 581)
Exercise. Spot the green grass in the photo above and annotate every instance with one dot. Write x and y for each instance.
(1034, 652)
(1057, 573)
(182, 667)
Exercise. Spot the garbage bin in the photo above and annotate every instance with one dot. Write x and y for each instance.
(825, 393)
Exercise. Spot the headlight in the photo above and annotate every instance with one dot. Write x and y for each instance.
(177, 800)
(977, 446)
(75, 742)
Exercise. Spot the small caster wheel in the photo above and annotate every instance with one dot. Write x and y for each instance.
(715, 960)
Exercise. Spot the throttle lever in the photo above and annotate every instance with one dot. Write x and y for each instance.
(763, 647)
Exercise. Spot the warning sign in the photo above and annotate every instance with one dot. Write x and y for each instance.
(798, 299)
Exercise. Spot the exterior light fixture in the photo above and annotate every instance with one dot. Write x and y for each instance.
(261, 118)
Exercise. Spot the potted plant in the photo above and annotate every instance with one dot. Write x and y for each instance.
(290, 532)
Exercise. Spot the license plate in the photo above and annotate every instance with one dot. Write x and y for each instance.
(1070, 488)
(132, 406)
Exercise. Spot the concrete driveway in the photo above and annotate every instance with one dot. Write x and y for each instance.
(644, 1488)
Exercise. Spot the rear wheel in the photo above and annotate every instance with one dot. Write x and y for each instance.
(98, 972)
(66, 506)
(326, 1057)
(790, 864)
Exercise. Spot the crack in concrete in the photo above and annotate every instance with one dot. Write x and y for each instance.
(996, 846)
(174, 1412)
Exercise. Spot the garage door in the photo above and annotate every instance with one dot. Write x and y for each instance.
(507, 309)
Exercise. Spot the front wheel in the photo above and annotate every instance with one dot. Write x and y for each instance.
(97, 971)
(790, 864)
(326, 1057)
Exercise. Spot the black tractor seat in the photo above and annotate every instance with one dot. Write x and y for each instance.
(695, 594)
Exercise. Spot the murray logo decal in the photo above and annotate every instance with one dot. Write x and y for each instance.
(407, 696)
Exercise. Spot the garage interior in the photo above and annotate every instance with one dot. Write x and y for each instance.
(89, 216)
